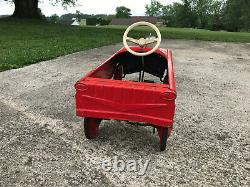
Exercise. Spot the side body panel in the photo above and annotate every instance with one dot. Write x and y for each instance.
(100, 97)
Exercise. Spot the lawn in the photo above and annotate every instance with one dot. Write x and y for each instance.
(198, 34)
(23, 43)
(30, 42)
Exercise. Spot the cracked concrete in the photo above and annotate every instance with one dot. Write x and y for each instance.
(42, 141)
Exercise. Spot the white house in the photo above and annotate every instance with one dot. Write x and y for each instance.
(75, 23)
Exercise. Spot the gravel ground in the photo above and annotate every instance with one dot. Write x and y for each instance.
(42, 141)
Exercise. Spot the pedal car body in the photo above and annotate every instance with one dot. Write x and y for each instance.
(104, 94)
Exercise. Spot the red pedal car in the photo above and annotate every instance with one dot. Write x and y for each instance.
(105, 94)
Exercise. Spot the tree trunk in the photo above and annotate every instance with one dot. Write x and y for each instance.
(27, 9)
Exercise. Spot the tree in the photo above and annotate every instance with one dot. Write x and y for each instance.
(203, 9)
(237, 15)
(123, 12)
(78, 15)
(245, 16)
(54, 18)
(186, 14)
(154, 9)
(171, 15)
(232, 15)
(168, 15)
(179, 15)
(29, 8)
(215, 20)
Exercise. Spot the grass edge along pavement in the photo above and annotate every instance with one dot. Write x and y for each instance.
(28, 42)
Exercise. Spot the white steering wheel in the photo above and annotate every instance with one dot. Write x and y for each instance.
(142, 42)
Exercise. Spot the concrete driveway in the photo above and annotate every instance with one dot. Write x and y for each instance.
(42, 142)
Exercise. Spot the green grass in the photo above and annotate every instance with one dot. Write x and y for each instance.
(198, 34)
(24, 43)
(27, 42)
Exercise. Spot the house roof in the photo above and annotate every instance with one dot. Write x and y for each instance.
(75, 23)
(4, 16)
(133, 19)
(66, 22)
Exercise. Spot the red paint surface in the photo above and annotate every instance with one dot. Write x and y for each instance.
(99, 96)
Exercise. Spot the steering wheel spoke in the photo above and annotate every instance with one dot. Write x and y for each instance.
(135, 41)
(151, 41)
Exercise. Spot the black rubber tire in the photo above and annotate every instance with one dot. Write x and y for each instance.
(163, 139)
(91, 127)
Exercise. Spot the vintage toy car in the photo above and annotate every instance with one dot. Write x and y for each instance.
(105, 94)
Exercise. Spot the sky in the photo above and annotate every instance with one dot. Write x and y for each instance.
(87, 7)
